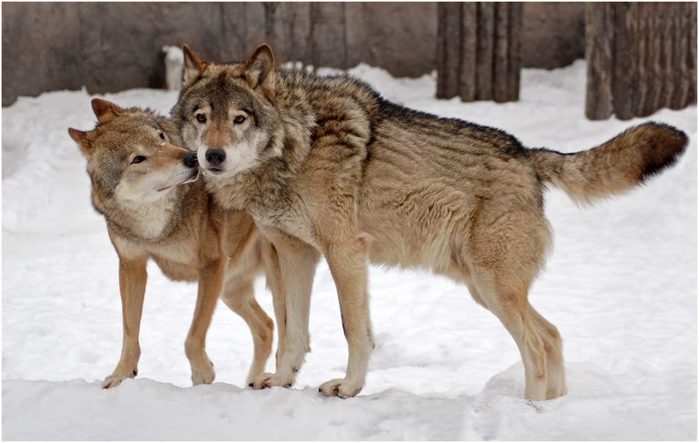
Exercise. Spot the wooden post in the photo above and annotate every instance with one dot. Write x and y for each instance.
(478, 51)
(599, 34)
(640, 57)
(449, 29)
(514, 48)
(484, 64)
(501, 55)
(469, 63)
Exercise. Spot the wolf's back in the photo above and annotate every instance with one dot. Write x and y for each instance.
(614, 166)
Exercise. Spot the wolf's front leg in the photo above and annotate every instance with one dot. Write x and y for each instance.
(238, 294)
(348, 262)
(295, 269)
(210, 282)
(132, 286)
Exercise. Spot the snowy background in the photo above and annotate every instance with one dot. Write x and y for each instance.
(620, 285)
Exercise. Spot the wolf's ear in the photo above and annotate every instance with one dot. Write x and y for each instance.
(193, 66)
(105, 110)
(259, 69)
(83, 140)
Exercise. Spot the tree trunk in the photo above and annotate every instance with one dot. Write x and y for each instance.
(469, 63)
(641, 57)
(478, 51)
(598, 40)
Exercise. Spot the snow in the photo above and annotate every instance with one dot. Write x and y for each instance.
(620, 285)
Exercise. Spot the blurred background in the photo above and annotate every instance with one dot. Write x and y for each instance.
(478, 49)
(109, 47)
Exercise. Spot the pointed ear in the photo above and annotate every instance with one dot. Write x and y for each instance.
(105, 110)
(82, 138)
(193, 66)
(259, 69)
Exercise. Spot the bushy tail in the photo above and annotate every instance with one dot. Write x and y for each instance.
(614, 166)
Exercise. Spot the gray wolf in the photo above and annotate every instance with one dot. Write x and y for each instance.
(325, 165)
(145, 185)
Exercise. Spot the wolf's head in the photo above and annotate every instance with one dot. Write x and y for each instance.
(226, 113)
(130, 156)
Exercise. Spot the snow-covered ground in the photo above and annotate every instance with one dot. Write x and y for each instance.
(620, 285)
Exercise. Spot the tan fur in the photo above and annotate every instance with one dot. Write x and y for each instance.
(187, 235)
(343, 172)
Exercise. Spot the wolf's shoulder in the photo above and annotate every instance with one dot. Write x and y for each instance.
(330, 85)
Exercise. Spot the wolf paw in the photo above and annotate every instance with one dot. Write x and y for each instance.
(117, 377)
(268, 380)
(340, 387)
(203, 374)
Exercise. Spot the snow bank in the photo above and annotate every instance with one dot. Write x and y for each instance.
(620, 285)
(596, 408)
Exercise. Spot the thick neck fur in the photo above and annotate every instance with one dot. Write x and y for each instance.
(264, 186)
(297, 94)
(151, 222)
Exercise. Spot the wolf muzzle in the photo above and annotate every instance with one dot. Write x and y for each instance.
(190, 160)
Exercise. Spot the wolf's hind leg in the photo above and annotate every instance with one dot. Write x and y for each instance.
(510, 305)
(238, 294)
(132, 286)
(555, 377)
(209, 287)
(553, 347)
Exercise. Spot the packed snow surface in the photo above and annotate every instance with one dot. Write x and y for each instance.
(620, 285)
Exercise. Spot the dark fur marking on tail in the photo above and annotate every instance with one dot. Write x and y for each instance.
(664, 149)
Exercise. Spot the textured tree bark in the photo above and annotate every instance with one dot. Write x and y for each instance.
(599, 37)
(641, 57)
(681, 56)
(467, 70)
(484, 68)
(515, 50)
(624, 61)
(450, 35)
(478, 51)
(692, 95)
(500, 54)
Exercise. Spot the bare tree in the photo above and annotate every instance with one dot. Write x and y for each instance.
(640, 57)
(478, 51)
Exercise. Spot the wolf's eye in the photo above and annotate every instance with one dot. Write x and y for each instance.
(138, 159)
(201, 118)
(162, 135)
(239, 119)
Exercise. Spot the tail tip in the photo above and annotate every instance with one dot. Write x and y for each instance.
(664, 144)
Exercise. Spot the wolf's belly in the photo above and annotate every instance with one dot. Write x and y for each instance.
(413, 229)
(176, 271)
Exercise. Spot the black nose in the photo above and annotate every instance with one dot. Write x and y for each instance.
(190, 160)
(215, 156)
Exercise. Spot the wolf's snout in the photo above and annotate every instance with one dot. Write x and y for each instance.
(215, 156)
(190, 160)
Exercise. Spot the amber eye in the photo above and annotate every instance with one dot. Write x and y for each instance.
(201, 118)
(138, 159)
(239, 119)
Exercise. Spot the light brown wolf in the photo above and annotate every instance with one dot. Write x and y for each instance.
(325, 165)
(145, 185)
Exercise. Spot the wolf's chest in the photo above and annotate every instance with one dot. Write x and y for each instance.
(178, 259)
